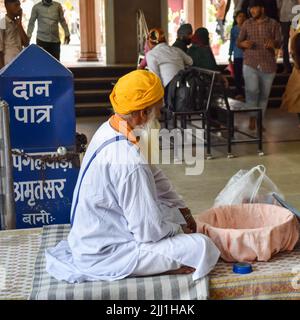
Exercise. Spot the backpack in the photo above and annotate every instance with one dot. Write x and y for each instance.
(187, 92)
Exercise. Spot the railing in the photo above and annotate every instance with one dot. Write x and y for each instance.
(7, 207)
(142, 31)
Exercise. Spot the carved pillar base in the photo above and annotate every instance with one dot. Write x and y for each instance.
(89, 25)
(88, 58)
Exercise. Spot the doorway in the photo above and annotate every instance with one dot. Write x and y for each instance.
(219, 39)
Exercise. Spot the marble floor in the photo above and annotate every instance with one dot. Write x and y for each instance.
(282, 160)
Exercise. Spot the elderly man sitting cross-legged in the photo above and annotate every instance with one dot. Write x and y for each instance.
(126, 218)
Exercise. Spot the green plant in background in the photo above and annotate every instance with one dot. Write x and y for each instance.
(220, 42)
(229, 27)
(211, 13)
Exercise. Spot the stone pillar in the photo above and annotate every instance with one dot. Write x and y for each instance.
(89, 30)
(110, 35)
(195, 12)
(164, 17)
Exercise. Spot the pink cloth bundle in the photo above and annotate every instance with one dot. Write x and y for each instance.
(250, 232)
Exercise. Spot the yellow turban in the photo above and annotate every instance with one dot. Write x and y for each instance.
(136, 91)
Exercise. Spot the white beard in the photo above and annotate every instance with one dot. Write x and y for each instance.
(149, 141)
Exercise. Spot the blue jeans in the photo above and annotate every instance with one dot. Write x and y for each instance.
(258, 86)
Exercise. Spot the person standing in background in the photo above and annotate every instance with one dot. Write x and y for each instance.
(12, 35)
(259, 37)
(220, 6)
(238, 54)
(291, 97)
(49, 14)
(285, 16)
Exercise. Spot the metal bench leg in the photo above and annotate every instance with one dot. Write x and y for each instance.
(230, 129)
(232, 123)
(174, 121)
(208, 140)
(166, 119)
(183, 122)
(260, 134)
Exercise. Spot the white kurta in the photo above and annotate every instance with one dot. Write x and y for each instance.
(126, 221)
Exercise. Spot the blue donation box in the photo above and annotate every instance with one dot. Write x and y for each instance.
(40, 94)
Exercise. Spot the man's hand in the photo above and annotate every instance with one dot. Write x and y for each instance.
(67, 39)
(22, 33)
(190, 221)
(18, 19)
(247, 44)
(270, 44)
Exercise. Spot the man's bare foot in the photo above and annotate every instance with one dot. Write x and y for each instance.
(182, 270)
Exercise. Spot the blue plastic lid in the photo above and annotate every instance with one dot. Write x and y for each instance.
(242, 268)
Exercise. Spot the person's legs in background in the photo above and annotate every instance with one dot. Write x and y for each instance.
(265, 86)
(238, 78)
(286, 28)
(42, 44)
(51, 47)
(55, 50)
(251, 78)
(221, 28)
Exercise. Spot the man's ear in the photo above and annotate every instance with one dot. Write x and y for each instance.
(144, 115)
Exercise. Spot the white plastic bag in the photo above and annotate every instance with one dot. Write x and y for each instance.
(248, 186)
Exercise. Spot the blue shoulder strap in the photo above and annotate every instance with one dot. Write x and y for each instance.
(105, 144)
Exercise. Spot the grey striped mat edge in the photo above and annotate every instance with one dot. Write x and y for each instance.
(180, 287)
